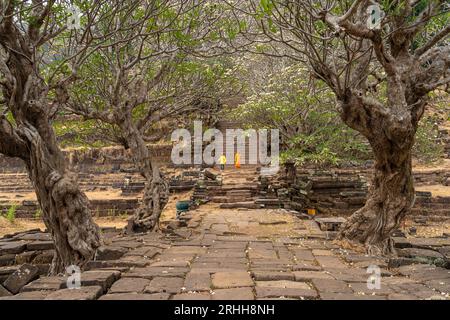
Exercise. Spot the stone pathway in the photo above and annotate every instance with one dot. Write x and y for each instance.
(215, 253)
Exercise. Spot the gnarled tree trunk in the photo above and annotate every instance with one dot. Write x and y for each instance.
(391, 193)
(156, 191)
(390, 199)
(65, 208)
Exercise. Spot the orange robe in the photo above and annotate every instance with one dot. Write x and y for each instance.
(237, 160)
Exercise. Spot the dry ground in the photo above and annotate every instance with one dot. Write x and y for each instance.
(169, 213)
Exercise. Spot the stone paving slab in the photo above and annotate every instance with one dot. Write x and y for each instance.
(83, 293)
(231, 279)
(135, 296)
(328, 285)
(192, 296)
(233, 294)
(348, 296)
(101, 278)
(129, 285)
(311, 275)
(151, 272)
(45, 283)
(32, 295)
(165, 285)
(226, 257)
(197, 281)
(19, 278)
(272, 275)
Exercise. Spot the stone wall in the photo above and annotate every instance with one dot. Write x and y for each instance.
(340, 192)
(94, 159)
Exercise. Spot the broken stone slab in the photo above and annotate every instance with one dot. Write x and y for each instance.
(45, 283)
(429, 243)
(4, 292)
(101, 278)
(182, 233)
(209, 175)
(43, 269)
(8, 270)
(110, 253)
(25, 257)
(45, 257)
(7, 259)
(424, 256)
(40, 245)
(330, 224)
(22, 276)
(39, 236)
(83, 293)
(13, 247)
(22, 233)
(417, 252)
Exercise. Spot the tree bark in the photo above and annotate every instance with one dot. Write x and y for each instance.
(391, 193)
(65, 208)
(156, 190)
(390, 199)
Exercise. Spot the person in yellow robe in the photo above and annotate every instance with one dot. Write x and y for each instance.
(237, 160)
(222, 162)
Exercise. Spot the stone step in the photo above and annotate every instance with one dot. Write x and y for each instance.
(268, 201)
(226, 199)
(244, 204)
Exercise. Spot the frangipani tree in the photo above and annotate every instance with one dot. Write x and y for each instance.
(144, 77)
(381, 59)
(43, 44)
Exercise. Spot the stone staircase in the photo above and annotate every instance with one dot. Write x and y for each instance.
(239, 188)
(236, 188)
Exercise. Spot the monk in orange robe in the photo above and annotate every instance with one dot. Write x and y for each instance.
(237, 160)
